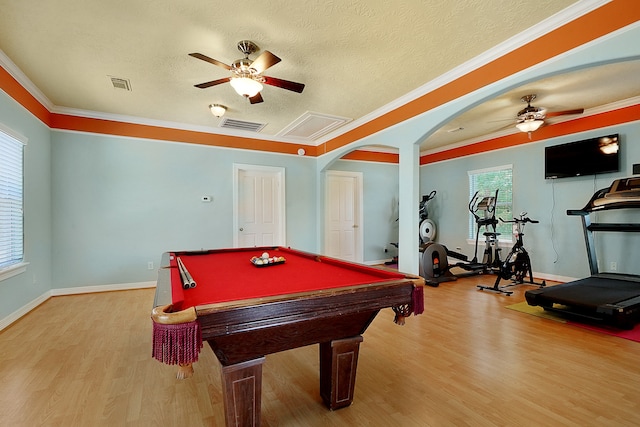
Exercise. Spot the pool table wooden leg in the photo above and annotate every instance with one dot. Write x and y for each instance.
(242, 389)
(338, 363)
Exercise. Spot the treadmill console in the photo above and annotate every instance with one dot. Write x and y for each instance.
(622, 190)
(628, 187)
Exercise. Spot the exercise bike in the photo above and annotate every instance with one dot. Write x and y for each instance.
(517, 264)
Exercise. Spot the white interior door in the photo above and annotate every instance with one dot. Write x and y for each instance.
(343, 233)
(259, 212)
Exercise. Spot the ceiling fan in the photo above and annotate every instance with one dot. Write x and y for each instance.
(530, 118)
(246, 75)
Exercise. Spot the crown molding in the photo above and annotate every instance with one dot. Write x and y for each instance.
(25, 82)
(519, 40)
(587, 113)
(171, 125)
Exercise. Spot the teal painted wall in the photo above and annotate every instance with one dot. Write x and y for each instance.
(119, 203)
(19, 290)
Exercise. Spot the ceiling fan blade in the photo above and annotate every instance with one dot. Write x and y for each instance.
(284, 84)
(264, 61)
(514, 120)
(505, 127)
(212, 83)
(210, 60)
(256, 99)
(565, 113)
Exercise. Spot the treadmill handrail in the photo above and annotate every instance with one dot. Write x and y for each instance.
(604, 226)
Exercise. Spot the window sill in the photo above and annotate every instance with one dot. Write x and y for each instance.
(13, 270)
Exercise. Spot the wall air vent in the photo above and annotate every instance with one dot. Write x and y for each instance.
(119, 83)
(241, 125)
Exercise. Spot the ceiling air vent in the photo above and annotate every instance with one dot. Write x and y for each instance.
(311, 126)
(119, 83)
(241, 125)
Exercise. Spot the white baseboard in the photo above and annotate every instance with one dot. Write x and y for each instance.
(16, 315)
(553, 277)
(102, 288)
(536, 276)
(24, 310)
(377, 262)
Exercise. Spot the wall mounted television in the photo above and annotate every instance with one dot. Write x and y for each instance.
(587, 157)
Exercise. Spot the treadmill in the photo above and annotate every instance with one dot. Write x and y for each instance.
(611, 299)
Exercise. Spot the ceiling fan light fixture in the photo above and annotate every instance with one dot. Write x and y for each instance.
(246, 86)
(217, 110)
(529, 125)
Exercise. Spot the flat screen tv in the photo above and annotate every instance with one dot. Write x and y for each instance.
(586, 157)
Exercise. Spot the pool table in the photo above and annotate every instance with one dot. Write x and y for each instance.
(245, 310)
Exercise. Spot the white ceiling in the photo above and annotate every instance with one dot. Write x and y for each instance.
(355, 57)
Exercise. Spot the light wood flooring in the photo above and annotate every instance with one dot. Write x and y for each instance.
(86, 361)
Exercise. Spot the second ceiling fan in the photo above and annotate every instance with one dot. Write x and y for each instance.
(531, 118)
(246, 75)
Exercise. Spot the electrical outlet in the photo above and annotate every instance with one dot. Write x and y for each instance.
(613, 266)
(150, 265)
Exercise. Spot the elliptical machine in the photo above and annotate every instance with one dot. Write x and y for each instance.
(434, 265)
(491, 256)
(517, 264)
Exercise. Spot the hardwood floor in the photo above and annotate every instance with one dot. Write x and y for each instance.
(85, 361)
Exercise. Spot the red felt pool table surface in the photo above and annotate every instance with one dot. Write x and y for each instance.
(245, 312)
(229, 275)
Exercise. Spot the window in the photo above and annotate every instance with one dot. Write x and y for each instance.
(11, 216)
(486, 182)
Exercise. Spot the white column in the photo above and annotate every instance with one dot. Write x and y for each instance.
(409, 177)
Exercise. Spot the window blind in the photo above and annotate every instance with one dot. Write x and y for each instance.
(11, 192)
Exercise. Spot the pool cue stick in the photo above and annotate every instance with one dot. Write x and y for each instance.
(187, 280)
(183, 277)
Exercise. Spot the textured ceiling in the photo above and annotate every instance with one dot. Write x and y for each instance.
(354, 56)
(588, 89)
